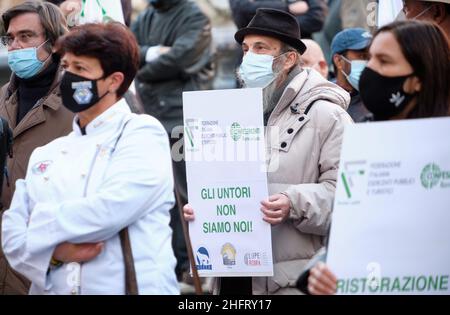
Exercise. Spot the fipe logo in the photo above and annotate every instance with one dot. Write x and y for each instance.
(252, 259)
(203, 261)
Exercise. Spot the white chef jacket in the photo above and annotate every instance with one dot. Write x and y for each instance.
(78, 189)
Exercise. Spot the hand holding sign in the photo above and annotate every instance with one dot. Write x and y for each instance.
(321, 280)
(188, 213)
(276, 209)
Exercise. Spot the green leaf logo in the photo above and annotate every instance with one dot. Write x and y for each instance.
(431, 175)
(236, 131)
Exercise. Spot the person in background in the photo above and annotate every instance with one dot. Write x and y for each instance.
(350, 55)
(411, 61)
(314, 58)
(176, 55)
(437, 11)
(310, 14)
(69, 7)
(345, 14)
(111, 175)
(31, 101)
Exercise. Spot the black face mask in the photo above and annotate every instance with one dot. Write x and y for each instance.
(79, 93)
(383, 96)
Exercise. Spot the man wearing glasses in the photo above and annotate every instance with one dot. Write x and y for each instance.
(30, 102)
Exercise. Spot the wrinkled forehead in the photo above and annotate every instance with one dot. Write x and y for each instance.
(254, 39)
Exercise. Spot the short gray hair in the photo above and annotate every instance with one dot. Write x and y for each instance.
(285, 48)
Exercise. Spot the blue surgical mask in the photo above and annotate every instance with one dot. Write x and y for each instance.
(256, 70)
(24, 62)
(358, 67)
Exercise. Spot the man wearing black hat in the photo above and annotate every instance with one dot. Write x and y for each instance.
(305, 117)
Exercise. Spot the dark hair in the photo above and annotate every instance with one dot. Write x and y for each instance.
(52, 19)
(426, 48)
(112, 44)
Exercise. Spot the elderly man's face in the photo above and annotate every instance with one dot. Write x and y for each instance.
(263, 45)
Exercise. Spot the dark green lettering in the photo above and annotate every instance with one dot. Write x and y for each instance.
(424, 283)
(340, 286)
(385, 284)
(433, 283)
(405, 286)
(396, 285)
(444, 283)
(354, 286)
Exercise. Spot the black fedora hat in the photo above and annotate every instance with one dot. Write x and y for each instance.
(274, 23)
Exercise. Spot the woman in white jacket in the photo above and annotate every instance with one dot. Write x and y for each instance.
(112, 172)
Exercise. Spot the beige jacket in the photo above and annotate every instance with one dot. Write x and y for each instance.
(303, 163)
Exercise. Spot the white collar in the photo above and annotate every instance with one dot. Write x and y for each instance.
(102, 120)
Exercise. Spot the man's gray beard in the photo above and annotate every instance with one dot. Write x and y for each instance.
(268, 93)
(268, 90)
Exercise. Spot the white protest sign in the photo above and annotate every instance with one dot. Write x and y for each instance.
(389, 11)
(390, 231)
(98, 11)
(225, 166)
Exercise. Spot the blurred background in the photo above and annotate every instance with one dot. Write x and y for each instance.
(223, 26)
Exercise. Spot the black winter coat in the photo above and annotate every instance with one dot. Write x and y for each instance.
(310, 22)
(188, 66)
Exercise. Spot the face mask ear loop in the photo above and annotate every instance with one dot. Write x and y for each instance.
(102, 78)
(347, 76)
(275, 58)
(423, 12)
(49, 55)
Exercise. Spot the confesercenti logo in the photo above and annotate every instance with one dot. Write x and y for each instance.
(432, 175)
(238, 132)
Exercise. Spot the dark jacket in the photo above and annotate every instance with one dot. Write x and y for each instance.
(357, 110)
(46, 121)
(187, 67)
(302, 281)
(310, 22)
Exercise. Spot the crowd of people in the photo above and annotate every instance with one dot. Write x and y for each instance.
(96, 112)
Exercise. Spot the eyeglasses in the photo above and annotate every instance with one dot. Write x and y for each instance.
(23, 38)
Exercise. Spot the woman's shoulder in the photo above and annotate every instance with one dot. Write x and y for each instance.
(55, 144)
(145, 122)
